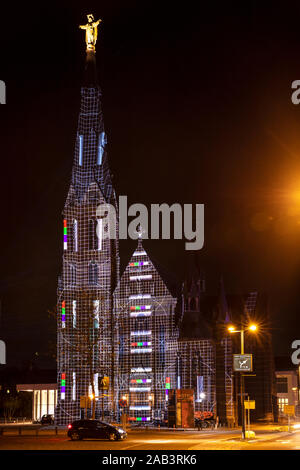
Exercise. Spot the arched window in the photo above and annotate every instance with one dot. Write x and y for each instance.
(74, 313)
(193, 304)
(92, 235)
(72, 274)
(179, 370)
(96, 305)
(93, 273)
(80, 150)
(101, 147)
(162, 346)
(75, 236)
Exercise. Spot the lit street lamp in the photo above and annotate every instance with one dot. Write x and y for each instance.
(232, 329)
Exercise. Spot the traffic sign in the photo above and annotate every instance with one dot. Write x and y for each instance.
(104, 383)
(123, 402)
(242, 362)
(289, 410)
(249, 404)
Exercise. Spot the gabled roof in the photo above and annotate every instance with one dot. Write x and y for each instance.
(171, 283)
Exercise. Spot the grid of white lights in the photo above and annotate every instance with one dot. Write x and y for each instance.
(139, 389)
(139, 253)
(141, 350)
(140, 333)
(142, 277)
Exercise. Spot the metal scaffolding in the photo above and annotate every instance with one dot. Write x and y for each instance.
(146, 340)
(85, 329)
(124, 329)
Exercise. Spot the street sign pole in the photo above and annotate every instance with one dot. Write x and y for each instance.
(242, 387)
(248, 416)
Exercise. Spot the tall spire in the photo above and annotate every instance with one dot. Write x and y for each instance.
(224, 314)
(90, 70)
(90, 159)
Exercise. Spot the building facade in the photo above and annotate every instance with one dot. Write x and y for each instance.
(287, 386)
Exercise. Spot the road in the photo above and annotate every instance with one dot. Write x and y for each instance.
(156, 440)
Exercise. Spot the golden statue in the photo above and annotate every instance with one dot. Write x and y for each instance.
(91, 32)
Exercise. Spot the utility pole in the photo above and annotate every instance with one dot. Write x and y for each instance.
(242, 387)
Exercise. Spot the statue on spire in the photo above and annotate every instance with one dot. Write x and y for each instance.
(91, 32)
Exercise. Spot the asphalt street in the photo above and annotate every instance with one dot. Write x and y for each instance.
(156, 440)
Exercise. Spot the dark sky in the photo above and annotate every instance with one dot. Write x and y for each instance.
(197, 109)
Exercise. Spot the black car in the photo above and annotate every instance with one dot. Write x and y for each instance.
(47, 419)
(94, 429)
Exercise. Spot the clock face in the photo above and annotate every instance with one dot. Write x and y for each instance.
(242, 362)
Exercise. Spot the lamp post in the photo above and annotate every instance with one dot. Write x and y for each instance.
(232, 329)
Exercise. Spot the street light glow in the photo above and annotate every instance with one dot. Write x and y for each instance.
(253, 327)
(231, 329)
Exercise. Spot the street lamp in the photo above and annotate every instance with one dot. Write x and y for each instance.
(252, 327)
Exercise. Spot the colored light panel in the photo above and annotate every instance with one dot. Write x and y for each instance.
(139, 418)
(65, 235)
(140, 381)
(63, 314)
(140, 307)
(63, 386)
(138, 263)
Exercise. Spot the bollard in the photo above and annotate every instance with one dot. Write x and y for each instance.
(37, 431)
(173, 427)
(56, 430)
(159, 427)
(20, 430)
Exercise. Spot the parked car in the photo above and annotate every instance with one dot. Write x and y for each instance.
(47, 419)
(94, 429)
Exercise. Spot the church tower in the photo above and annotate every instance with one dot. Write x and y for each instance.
(90, 265)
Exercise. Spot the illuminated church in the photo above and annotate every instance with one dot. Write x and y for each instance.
(125, 341)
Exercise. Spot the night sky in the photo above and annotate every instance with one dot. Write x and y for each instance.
(197, 109)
